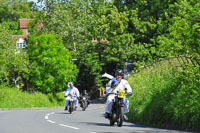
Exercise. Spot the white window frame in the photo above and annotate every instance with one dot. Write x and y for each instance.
(21, 43)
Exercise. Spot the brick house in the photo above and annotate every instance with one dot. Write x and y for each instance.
(23, 26)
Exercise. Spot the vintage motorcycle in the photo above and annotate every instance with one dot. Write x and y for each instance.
(71, 103)
(117, 112)
(84, 103)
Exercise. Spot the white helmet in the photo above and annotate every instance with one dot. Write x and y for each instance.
(70, 83)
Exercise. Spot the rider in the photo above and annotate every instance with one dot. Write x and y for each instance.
(115, 85)
(85, 94)
(74, 92)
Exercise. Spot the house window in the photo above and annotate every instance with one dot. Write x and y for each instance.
(24, 44)
(27, 31)
(21, 43)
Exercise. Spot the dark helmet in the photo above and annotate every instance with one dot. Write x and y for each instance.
(119, 72)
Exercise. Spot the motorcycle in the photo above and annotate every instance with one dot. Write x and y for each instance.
(84, 103)
(70, 104)
(117, 112)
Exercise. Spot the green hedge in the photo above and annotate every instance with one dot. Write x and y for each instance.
(167, 97)
(13, 98)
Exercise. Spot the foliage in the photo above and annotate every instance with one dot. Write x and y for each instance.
(185, 105)
(14, 61)
(51, 67)
(90, 69)
(183, 36)
(13, 10)
(137, 31)
(166, 97)
(13, 98)
(73, 24)
(12, 27)
(141, 32)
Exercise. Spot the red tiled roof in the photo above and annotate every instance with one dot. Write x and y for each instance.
(23, 23)
(19, 36)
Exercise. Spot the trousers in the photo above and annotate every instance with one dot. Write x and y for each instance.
(67, 101)
(109, 103)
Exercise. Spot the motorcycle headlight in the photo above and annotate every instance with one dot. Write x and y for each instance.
(71, 99)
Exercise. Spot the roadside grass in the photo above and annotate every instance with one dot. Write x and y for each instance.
(166, 96)
(14, 98)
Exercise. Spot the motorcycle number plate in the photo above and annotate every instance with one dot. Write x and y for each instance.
(71, 99)
(121, 94)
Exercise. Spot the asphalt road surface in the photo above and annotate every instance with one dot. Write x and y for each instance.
(59, 121)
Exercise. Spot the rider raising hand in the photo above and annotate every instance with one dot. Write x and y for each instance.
(113, 86)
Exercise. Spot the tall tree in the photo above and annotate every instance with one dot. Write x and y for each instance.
(14, 9)
(51, 64)
(183, 36)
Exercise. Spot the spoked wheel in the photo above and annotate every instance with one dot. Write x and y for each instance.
(121, 117)
(71, 107)
(112, 119)
(84, 106)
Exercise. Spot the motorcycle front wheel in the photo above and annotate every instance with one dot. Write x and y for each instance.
(120, 117)
(83, 106)
(71, 107)
(112, 119)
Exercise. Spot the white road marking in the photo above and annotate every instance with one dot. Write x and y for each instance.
(52, 113)
(50, 121)
(47, 118)
(68, 126)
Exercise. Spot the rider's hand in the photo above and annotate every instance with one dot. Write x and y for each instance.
(129, 94)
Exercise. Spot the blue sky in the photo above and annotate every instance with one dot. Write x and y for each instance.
(38, 4)
(33, 0)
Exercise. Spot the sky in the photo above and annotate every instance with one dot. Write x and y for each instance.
(33, 0)
(38, 4)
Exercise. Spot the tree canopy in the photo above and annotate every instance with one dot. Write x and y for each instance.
(51, 64)
(140, 32)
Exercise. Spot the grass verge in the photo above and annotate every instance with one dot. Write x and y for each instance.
(167, 97)
(13, 98)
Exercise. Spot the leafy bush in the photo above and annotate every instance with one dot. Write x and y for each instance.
(167, 97)
(185, 105)
(51, 66)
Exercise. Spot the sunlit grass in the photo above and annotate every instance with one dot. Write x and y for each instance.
(13, 98)
(166, 96)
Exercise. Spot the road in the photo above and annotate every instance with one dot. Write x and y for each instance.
(60, 121)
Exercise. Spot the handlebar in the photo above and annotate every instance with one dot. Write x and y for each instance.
(69, 95)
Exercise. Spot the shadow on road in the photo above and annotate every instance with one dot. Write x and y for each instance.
(97, 124)
(108, 125)
(62, 112)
